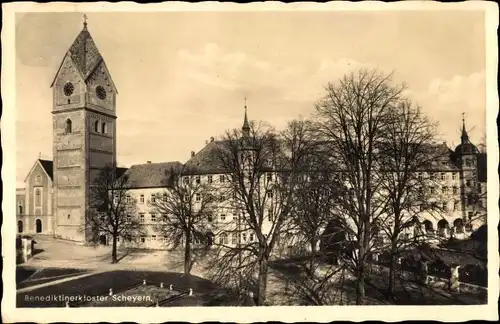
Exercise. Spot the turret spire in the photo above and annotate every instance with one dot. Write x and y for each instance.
(465, 136)
(246, 126)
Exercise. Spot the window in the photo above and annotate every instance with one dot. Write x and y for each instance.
(454, 176)
(96, 126)
(210, 218)
(141, 199)
(468, 183)
(198, 197)
(209, 179)
(38, 198)
(235, 217)
(234, 238)
(186, 180)
(164, 217)
(419, 176)
(244, 237)
(104, 128)
(445, 189)
(153, 198)
(445, 206)
(421, 208)
(222, 217)
(470, 214)
(455, 206)
(431, 190)
(222, 178)
(251, 237)
(165, 197)
(69, 216)
(129, 199)
(455, 190)
(117, 239)
(165, 239)
(153, 237)
(223, 239)
(269, 177)
(269, 194)
(20, 209)
(198, 179)
(143, 239)
(432, 176)
(443, 175)
(270, 215)
(68, 128)
(153, 217)
(129, 219)
(141, 216)
(443, 162)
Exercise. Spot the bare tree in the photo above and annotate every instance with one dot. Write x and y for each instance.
(407, 152)
(352, 119)
(262, 169)
(186, 205)
(112, 210)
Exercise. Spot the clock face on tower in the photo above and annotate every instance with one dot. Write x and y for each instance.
(68, 89)
(101, 92)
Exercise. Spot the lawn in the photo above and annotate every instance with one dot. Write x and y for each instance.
(120, 281)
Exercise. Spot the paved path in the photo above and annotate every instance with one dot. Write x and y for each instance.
(57, 281)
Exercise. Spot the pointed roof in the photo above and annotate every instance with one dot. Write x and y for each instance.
(465, 136)
(47, 166)
(246, 126)
(85, 55)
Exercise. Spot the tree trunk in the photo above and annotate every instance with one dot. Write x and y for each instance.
(392, 268)
(114, 256)
(187, 254)
(313, 252)
(262, 284)
(360, 274)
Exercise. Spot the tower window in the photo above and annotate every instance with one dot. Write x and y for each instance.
(96, 126)
(104, 128)
(68, 126)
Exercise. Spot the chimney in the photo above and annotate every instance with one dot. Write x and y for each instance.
(192, 153)
(211, 139)
(148, 162)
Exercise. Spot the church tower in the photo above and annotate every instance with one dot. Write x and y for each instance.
(84, 132)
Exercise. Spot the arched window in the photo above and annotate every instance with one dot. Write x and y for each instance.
(38, 226)
(19, 226)
(38, 198)
(68, 126)
(96, 126)
(104, 128)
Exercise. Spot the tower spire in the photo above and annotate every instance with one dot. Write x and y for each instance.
(246, 126)
(465, 136)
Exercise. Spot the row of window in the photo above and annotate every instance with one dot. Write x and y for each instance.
(454, 189)
(98, 127)
(442, 176)
(197, 197)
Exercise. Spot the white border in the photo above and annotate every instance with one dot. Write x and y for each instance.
(282, 313)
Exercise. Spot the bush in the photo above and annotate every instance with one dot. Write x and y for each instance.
(439, 269)
(473, 274)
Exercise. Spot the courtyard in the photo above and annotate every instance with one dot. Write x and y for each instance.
(150, 278)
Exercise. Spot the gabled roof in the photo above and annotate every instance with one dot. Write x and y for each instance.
(150, 175)
(46, 165)
(85, 55)
(206, 160)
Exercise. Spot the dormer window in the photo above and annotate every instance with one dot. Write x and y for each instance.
(68, 127)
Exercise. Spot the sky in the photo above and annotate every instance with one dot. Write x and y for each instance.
(182, 77)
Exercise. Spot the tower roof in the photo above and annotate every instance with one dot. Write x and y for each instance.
(84, 53)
